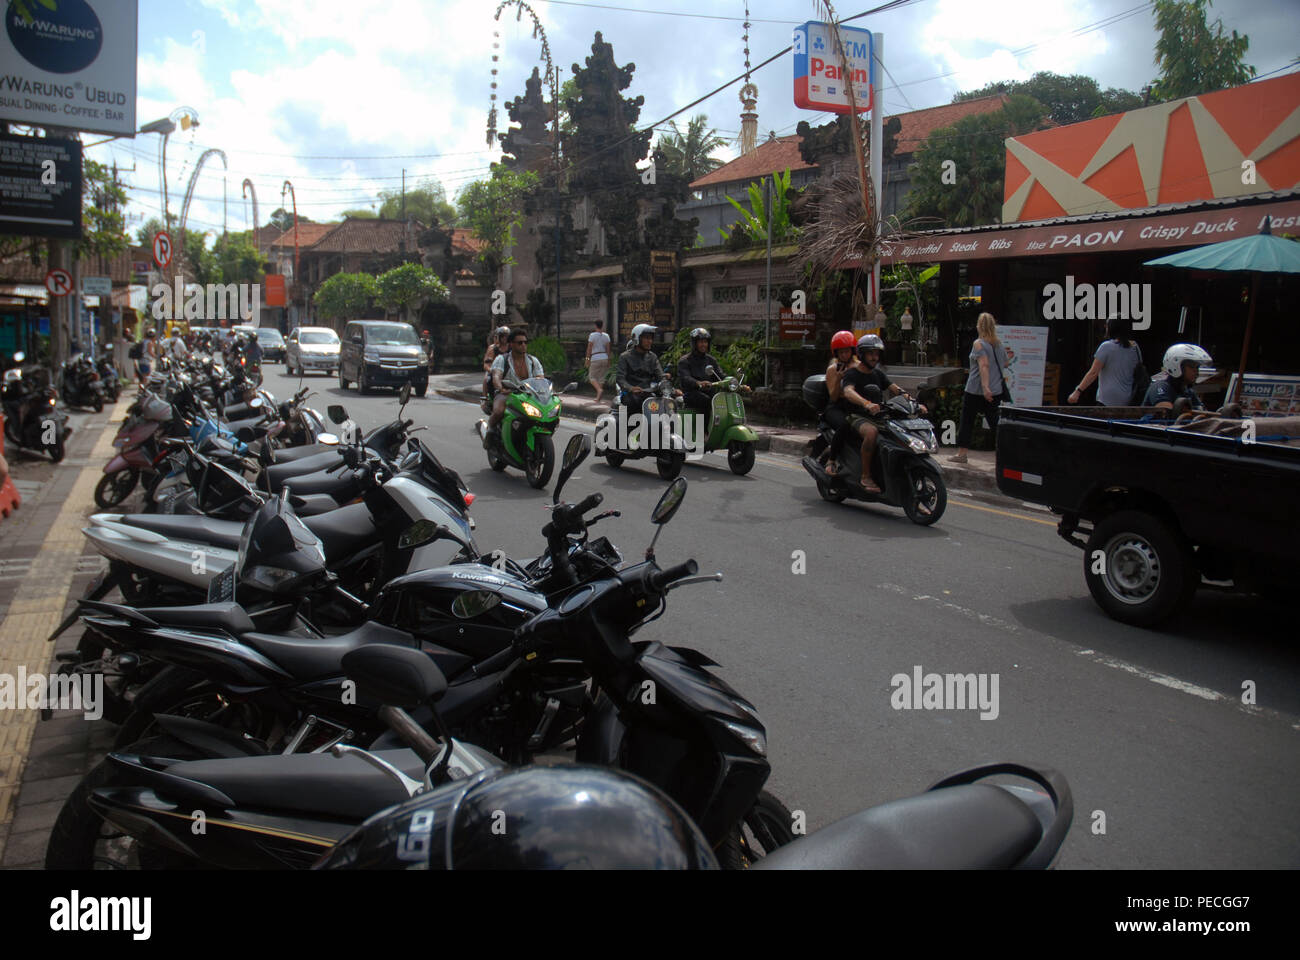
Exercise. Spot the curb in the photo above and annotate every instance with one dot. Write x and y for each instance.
(964, 476)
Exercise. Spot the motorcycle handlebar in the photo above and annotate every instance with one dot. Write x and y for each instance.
(589, 504)
(661, 578)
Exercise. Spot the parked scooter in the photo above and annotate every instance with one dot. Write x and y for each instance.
(33, 420)
(902, 466)
(656, 432)
(525, 439)
(108, 376)
(724, 426)
(79, 383)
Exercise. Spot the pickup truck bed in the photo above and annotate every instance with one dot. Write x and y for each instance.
(1154, 507)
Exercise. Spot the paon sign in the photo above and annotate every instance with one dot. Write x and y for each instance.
(70, 64)
(1098, 236)
(40, 186)
(818, 84)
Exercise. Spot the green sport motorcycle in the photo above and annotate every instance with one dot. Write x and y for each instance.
(724, 426)
(524, 442)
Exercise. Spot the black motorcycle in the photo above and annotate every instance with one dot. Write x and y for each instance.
(902, 466)
(79, 383)
(33, 420)
(107, 371)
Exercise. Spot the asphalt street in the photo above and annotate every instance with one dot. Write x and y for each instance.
(1169, 768)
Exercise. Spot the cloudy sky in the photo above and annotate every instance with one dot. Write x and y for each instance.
(340, 96)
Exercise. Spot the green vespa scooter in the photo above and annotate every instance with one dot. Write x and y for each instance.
(725, 426)
(525, 443)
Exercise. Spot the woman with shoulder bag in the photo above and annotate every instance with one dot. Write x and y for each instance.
(1114, 367)
(986, 387)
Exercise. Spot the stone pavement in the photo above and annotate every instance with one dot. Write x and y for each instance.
(45, 562)
(976, 475)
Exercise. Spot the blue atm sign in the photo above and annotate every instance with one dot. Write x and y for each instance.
(818, 79)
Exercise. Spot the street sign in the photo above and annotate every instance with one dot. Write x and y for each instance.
(97, 286)
(162, 249)
(273, 287)
(40, 186)
(817, 81)
(797, 326)
(58, 282)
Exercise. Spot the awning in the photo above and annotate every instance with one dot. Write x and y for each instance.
(593, 273)
(741, 256)
(25, 291)
(1094, 234)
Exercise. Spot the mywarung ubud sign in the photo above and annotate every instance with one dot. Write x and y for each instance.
(818, 67)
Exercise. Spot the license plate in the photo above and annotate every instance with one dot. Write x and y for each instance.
(917, 425)
(222, 587)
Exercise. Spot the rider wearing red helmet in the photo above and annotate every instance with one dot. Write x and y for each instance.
(842, 347)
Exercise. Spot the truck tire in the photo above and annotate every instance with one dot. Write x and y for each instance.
(1147, 569)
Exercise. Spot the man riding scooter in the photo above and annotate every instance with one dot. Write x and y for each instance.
(865, 373)
(509, 371)
(697, 371)
(638, 369)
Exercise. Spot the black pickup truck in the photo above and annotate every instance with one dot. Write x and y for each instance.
(1156, 508)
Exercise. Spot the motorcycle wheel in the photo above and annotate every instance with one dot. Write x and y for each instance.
(830, 495)
(541, 463)
(768, 825)
(670, 466)
(740, 456)
(82, 840)
(496, 461)
(98, 404)
(926, 499)
(58, 450)
(113, 488)
(615, 460)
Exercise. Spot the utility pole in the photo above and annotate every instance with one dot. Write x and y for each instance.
(767, 323)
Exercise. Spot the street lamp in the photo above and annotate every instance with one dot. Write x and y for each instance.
(185, 117)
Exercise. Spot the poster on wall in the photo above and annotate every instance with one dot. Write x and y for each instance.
(1263, 394)
(1026, 363)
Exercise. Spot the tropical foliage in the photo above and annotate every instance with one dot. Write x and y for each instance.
(753, 223)
(345, 296)
(686, 154)
(1195, 57)
(409, 287)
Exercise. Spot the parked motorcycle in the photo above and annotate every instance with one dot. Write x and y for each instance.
(656, 432)
(139, 452)
(79, 383)
(902, 466)
(108, 376)
(33, 420)
(525, 438)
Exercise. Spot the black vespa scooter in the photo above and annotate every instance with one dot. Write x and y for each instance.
(33, 420)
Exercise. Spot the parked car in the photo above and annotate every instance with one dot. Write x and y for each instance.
(382, 353)
(272, 343)
(311, 348)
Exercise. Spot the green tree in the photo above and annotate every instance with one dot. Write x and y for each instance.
(1067, 99)
(1193, 56)
(345, 296)
(687, 154)
(493, 209)
(361, 213)
(237, 258)
(975, 145)
(426, 203)
(752, 226)
(409, 287)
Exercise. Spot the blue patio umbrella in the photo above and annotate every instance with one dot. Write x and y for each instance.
(1257, 255)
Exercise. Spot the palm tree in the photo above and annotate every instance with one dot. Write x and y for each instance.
(688, 154)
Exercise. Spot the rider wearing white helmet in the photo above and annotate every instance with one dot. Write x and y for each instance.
(1182, 365)
(638, 368)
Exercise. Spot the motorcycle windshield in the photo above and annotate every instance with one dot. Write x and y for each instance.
(443, 480)
(540, 388)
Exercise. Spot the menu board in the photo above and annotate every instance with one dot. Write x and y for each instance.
(1264, 393)
(1026, 363)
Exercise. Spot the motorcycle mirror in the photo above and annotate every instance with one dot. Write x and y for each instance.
(577, 450)
(19, 357)
(404, 396)
(336, 413)
(327, 438)
(669, 502)
(397, 676)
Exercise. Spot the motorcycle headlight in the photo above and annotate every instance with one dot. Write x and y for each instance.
(270, 579)
(754, 739)
(918, 445)
(531, 410)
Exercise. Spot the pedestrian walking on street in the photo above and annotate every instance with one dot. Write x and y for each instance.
(986, 387)
(598, 358)
(1113, 367)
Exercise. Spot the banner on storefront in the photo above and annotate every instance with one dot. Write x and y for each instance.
(1026, 363)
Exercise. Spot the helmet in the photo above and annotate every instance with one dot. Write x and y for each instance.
(699, 333)
(841, 340)
(535, 817)
(870, 342)
(641, 329)
(1181, 353)
(502, 331)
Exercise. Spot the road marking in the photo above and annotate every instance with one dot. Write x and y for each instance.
(1153, 676)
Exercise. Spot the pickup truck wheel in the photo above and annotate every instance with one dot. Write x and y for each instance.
(1146, 569)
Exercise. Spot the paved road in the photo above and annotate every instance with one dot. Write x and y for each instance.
(1148, 726)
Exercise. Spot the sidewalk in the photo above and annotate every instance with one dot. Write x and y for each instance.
(977, 474)
(45, 563)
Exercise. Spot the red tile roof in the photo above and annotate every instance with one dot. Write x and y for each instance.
(369, 235)
(773, 156)
(308, 234)
(464, 241)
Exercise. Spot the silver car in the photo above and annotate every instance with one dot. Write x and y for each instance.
(311, 348)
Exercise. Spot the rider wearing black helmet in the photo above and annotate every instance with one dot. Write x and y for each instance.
(864, 382)
(499, 346)
(698, 370)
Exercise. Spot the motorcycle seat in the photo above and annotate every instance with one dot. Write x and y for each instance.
(968, 827)
(218, 533)
(312, 658)
(255, 424)
(343, 531)
(343, 486)
(294, 454)
(318, 783)
(238, 411)
(228, 616)
(277, 473)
